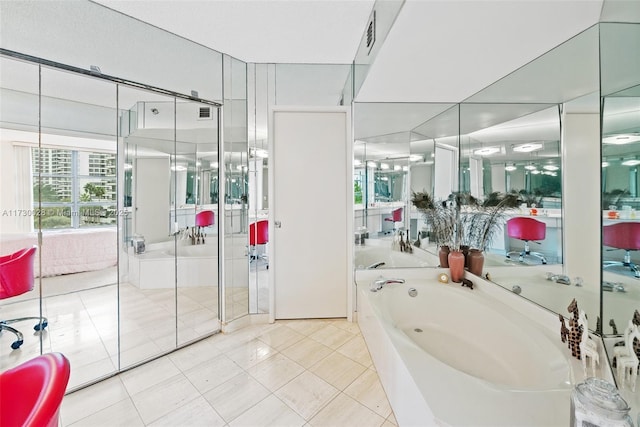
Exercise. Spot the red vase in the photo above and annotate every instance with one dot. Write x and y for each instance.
(443, 254)
(456, 266)
(476, 262)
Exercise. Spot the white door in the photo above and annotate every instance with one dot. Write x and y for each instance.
(310, 213)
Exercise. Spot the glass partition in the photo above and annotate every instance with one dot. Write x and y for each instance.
(620, 82)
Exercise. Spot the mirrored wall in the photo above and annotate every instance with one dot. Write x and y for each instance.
(505, 140)
(117, 188)
(620, 75)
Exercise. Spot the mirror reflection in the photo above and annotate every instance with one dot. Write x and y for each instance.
(117, 274)
(620, 194)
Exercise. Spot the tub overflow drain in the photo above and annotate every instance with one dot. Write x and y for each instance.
(413, 292)
(418, 330)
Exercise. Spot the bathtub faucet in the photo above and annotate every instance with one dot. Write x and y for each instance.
(381, 282)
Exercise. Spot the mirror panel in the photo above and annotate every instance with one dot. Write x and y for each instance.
(75, 167)
(147, 291)
(19, 201)
(236, 172)
(196, 243)
(620, 70)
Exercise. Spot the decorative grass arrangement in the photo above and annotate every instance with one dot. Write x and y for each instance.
(481, 221)
(441, 217)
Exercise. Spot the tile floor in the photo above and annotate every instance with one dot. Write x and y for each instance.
(290, 373)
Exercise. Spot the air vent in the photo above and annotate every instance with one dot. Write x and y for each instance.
(371, 32)
(204, 113)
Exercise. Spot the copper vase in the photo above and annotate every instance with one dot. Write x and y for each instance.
(443, 254)
(456, 266)
(476, 261)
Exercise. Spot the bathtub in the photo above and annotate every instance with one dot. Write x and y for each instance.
(374, 253)
(197, 265)
(452, 356)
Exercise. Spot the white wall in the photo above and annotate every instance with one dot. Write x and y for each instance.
(581, 199)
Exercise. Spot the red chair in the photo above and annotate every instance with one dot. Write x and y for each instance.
(205, 218)
(626, 236)
(16, 278)
(31, 393)
(527, 230)
(258, 235)
(396, 217)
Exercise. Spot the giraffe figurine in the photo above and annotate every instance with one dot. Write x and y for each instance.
(575, 329)
(564, 331)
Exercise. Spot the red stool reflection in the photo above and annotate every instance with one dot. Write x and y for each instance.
(205, 218)
(258, 236)
(527, 230)
(625, 236)
(396, 217)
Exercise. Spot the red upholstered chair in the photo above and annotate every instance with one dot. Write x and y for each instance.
(205, 218)
(625, 236)
(258, 235)
(527, 230)
(396, 217)
(31, 393)
(16, 278)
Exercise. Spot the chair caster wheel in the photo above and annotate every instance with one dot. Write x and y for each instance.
(40, 326)
(16, 344)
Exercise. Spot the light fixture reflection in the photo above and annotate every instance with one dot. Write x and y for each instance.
(528, 147)
(487, 151)
(621, 139)
(631, 162)
(357, 162)
(384, 166)
(550, 167)
(510, 168)
(530, 167)
(605, 164)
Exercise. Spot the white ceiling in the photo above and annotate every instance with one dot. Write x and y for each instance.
(437, 50)
(274, 31)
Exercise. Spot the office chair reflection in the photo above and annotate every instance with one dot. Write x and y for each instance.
(16, 278)
(258, 237)
(625, 236)
(527, 230)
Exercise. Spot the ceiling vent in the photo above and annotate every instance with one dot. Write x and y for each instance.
(204, 113)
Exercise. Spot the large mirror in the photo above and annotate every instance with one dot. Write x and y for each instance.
(124, 270)
(395, 151)
(620, 74)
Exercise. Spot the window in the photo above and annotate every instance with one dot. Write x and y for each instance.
(76, 188)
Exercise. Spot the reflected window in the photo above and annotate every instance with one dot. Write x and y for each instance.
(74, 188)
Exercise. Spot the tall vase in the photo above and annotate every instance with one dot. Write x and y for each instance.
(456, 266)
(476, 261)
(465, 252)
(443, 254)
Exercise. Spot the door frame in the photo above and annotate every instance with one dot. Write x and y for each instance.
(348, 239)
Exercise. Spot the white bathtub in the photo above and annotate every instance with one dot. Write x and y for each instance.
(460, 357)
(197, 265)
(370, 254)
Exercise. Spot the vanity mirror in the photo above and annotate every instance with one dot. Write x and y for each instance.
(620, 83)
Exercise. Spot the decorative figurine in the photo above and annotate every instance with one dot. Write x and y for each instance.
(468, 283)
(564, 331)
(575, 329)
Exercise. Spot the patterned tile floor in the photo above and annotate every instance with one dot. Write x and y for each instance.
(290, 373)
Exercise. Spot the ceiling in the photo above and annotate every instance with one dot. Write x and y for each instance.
(432, 43)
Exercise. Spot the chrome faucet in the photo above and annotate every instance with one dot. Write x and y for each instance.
(378, 284)
(613, 287)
